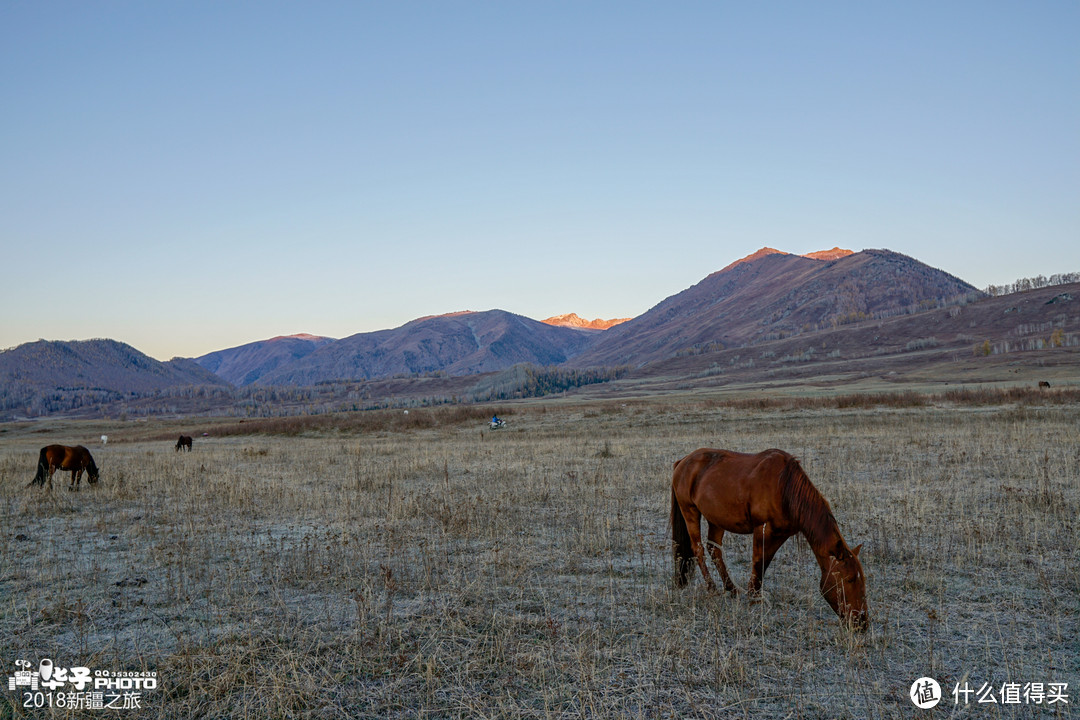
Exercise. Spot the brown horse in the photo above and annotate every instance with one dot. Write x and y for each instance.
(61, 457)
(768, 495)
(183, 442)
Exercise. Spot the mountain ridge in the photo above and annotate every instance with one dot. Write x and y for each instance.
(835, 254)
(766, 296)
(464, 343)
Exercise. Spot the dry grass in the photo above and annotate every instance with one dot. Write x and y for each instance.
(429, 569)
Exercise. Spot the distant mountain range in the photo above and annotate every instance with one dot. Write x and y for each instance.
(572, 320)
(764, 297)
(766, 294)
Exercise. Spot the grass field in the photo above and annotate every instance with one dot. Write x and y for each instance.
(427, 567)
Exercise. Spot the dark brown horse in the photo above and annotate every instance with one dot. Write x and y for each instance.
(183, 442)
(1044, 384)
(768, 495)
(61, 457)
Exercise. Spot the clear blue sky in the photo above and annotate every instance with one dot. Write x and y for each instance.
(190, 176)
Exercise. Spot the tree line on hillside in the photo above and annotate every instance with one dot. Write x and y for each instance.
(531, 381)
(1032, 283)
(29, 401)
(520, 381)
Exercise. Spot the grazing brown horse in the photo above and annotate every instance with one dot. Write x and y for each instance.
(1044, 384)
(768, 495)
(183, 442)
(61, 457)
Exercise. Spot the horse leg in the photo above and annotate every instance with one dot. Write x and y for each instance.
(766, 543)
(716, 541)
(693, 527)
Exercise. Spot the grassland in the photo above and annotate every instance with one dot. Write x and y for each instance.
(422, 566)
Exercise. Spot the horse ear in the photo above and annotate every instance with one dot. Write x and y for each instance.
(855, 552)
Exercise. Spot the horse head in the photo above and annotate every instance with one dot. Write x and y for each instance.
(843, 584)
(93, 474)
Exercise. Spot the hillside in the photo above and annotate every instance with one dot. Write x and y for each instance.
(1021, 338)
(54, 376)
(245, 364)
(771, 295)
(457, 344)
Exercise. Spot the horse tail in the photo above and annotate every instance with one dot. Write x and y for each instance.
(42, 470)
(681, 551)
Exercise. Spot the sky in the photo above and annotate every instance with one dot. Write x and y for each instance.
(191, 176)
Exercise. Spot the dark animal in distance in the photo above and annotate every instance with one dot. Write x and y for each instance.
(769, 496)
(183, 442)
(61, 457)
(1044, 384)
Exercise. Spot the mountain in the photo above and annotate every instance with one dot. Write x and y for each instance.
(770, 295)
(1019, 339)
(104, 364)
(52, 376)
(573, 321)
(245, 364)
(463, 343)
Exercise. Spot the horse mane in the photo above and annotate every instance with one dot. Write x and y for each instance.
(805, 504)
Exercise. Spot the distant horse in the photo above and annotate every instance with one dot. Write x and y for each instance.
(60, 457)
(1044, 384)
(768, 495)
(183, 442)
